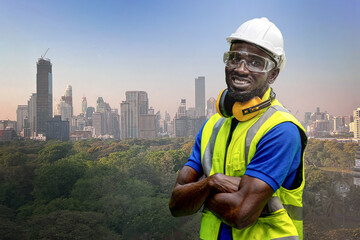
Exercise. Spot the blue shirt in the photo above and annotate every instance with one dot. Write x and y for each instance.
(277, 158)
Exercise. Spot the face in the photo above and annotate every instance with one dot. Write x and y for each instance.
(243, 84)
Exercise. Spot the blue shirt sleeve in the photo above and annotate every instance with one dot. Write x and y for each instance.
(277, 157)
(195, 157)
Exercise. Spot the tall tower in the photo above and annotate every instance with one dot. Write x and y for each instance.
(44, 94)
(21, 113)
(357, 124)
(83, 105)
(136, 104)
(67, 98)
(32, 115)
(200, 96)
(100, 105)
(63, 109)
(182, 109)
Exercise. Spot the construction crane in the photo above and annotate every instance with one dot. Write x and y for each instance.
(42, 57)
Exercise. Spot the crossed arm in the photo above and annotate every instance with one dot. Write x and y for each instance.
(236, 201)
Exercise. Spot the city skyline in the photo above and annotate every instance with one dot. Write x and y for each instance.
(104, 50)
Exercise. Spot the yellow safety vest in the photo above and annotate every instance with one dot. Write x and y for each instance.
(282, 216)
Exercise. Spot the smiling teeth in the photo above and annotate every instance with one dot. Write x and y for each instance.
(241, 81)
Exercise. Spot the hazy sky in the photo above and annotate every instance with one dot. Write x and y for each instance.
(104, 48)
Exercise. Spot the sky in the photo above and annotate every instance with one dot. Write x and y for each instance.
(105, 48)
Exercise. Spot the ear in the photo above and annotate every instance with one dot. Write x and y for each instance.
(273, 75)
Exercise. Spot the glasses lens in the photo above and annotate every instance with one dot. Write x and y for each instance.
(254, 63)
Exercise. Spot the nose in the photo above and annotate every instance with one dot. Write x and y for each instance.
(242, 67)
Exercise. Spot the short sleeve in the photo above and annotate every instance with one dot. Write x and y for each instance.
(277, 157)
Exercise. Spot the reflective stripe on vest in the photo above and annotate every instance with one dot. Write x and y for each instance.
(287, 238)
(295, 213)
(208, 154)
(274, 204)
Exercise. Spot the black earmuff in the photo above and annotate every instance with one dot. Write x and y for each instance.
(224, 104)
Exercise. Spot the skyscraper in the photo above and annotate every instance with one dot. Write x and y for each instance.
(56, 129)
(210, 107)
(21, 114)
(182, 109)
(32, 115)
(200, 96)
(98, 120)
(44, 102)
(357, 124)
(83, 105)
(136, 103)
(89, 112)
(64, 110)
(125, 119)
(67, 98)
(100, 105)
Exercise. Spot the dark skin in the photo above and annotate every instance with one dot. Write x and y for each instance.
(237, 201)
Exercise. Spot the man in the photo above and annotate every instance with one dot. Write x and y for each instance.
(251, 153)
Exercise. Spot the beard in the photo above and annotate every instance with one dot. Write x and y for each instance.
(244, 97)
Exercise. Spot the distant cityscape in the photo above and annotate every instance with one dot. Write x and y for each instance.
(37, 120)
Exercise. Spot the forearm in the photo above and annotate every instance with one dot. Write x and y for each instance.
(190, 193)
(187, 199)
(226, 207)
(241, 209)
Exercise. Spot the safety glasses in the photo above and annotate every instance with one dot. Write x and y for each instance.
(253, 62)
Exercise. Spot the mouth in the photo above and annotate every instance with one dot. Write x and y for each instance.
(240, 83)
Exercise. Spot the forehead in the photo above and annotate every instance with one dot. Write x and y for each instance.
(246, 47)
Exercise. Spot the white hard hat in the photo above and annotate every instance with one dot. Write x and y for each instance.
(264, 34)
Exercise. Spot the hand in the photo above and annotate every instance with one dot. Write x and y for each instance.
(221, 183)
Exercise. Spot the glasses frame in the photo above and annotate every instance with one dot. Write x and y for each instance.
(269, 63)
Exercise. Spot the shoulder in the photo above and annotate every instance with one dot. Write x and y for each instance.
(285, 132)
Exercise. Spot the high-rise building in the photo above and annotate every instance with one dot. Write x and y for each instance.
(136, 104)
(100, 105)
(89, 112)
(319, 124)
(186, 123)
(32, 115)
(44, 94)
(105, 120)
(67, 98)
(78, 123)
(147, 126)
(114, 124)
(83, 105)
(56, 129)
(182, 109)
(21, 113)
(200, 96)
(167, 121)
(64, 110)
(357, 124)
(210, 107)
(98, 120)
(339, 124)
(125, 119)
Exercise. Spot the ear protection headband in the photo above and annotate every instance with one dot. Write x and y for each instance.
(227, 107)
